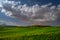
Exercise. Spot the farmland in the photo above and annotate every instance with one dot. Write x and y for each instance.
(29, 33)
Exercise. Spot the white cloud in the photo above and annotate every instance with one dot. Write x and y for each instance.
(58, 7)
(3, 10)
(46, 5)
(52, 7)
(3, 22)
(8, 13)
(34, 13)
(1, 5)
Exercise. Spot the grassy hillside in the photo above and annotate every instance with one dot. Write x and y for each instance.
(29, 33)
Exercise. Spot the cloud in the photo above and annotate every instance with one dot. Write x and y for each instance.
(44, 6)
(2, 22)
(35, 13)
(1, 5)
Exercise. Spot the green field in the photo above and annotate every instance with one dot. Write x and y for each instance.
(29, 33)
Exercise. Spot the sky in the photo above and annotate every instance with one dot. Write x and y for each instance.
(28, 12)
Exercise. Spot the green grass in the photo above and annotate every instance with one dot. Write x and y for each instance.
(29, 33)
